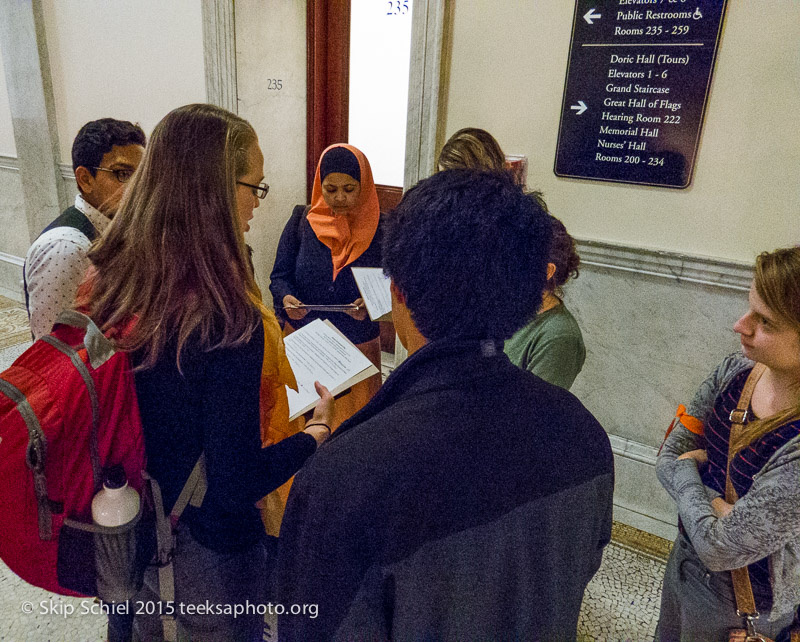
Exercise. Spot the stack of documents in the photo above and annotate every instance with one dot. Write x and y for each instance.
(374, 287)
(319, 352)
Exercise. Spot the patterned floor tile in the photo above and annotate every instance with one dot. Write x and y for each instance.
(14, 327)
(621, 604)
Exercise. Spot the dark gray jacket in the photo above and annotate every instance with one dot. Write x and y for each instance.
(765, 522)
(470, 500)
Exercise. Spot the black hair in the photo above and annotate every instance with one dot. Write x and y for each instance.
(96, 138)
(469, 251)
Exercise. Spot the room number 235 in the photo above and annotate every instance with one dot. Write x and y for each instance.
(397, 7)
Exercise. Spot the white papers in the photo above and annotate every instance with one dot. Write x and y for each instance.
(319, 352)
(374, 287)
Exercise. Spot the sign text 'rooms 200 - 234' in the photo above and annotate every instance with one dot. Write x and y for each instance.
(637, 83)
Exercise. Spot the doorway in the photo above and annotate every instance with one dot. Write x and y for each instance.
(359, 55)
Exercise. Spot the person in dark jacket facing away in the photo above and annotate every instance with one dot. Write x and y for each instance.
(469, 500)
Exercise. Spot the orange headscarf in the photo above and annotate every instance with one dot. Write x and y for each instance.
(347, 237)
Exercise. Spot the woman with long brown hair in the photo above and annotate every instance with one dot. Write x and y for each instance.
(733, 467)
(173, 271)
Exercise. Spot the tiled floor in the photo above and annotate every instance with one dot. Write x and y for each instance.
(622, 600)
(620, 604)
(13, 323)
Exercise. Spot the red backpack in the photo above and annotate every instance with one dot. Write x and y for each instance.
(67, 410)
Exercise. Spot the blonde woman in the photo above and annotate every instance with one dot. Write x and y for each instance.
(472, 148)
(761, 530)
(173, 269)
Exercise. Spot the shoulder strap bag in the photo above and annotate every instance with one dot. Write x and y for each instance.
(745, 602)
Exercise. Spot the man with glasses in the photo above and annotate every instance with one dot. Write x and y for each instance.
(105, 154)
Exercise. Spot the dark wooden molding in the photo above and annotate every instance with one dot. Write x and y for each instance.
(328, 78)
(389, 196)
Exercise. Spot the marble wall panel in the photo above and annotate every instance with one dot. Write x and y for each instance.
(14, 226)
(70, 186)
(11, 279)
(639, 499)
(650, 341)
(14, 239)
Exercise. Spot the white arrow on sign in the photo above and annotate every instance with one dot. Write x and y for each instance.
(580, 107)
(590, 16)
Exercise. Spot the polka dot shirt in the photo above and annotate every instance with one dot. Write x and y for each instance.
(54, 267)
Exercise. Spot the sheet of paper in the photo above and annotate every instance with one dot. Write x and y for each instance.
(374, 287)
(319, 352)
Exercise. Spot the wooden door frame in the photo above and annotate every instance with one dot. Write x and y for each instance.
(328, 88)
(327, 77)
(328, 57)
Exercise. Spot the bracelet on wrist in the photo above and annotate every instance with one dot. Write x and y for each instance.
(320, 423)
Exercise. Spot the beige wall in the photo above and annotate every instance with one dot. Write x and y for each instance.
(506, 74)
(128, 59)
(271, 44)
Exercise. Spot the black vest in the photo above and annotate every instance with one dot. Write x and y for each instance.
(70, 217)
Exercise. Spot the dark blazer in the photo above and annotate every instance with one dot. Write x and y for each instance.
(304, 268)
(469, 500)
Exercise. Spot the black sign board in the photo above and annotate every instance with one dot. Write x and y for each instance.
(637, 82)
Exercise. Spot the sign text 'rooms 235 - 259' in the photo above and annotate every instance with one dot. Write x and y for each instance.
(637, 83)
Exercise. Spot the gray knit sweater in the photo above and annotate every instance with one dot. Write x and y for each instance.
(764, 522)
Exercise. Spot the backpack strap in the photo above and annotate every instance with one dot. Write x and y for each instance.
(35, 457)
(193, 492)
(80, 366)
(98, 348)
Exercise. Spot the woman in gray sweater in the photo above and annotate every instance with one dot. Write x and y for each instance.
(761, 530)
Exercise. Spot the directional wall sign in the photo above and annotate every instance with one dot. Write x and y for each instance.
(637, 84)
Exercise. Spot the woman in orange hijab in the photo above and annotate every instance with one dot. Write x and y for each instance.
(319, 245)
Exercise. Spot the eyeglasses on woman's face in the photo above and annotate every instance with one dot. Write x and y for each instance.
(259, 191)
(122, 175)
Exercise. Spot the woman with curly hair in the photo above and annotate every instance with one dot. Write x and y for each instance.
(551, 345)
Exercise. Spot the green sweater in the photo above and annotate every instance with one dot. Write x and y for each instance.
(550, 346)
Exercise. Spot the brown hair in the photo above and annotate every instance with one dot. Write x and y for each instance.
(472, 148)
(174, 258)
(777, 282)
(563, 255)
